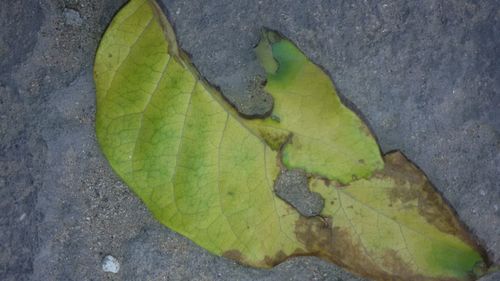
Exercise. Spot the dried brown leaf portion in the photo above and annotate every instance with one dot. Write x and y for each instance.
(394, 226)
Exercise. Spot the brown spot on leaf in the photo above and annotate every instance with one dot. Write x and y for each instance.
(272, 261)
(327, 181)
(280, 256)
(234, 255)
(400, 169)
(336, 245)
(392, 261)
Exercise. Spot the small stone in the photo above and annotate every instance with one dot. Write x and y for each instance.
(110, 264)
(72, 17)
(22, 217)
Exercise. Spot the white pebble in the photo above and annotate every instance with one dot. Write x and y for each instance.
(110, 264)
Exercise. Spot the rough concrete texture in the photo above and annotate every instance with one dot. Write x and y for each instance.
(424, 74)
(292, 187)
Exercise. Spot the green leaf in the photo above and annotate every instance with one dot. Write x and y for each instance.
(207, 173)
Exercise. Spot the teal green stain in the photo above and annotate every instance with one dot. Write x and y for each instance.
(290, 61)
(454, 260)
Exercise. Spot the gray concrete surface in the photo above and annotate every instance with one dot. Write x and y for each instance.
(424, 74)
(292, 187)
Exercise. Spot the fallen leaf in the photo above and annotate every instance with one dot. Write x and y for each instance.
(208, 173)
